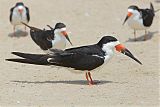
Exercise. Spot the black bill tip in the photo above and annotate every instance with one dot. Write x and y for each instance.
(129, 54)
(68, 39)
(125, 20)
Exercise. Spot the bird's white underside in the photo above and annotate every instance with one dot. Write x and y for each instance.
(59, 42)
(17, 18)
(135, 21)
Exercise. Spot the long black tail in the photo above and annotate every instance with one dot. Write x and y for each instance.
(50, 27)
(37, 59)
(29, 56)
(26, 61)
(31, 27)
(151, 7)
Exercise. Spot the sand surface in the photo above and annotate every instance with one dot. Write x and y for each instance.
(123, 82)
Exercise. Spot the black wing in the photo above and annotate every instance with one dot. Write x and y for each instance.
(89, 50)
(77, 61)
(71, 60)
(43, 38)
(148, 15)
(11, 13)
(27, 12)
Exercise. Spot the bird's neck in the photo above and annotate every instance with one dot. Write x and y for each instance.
(108, 54)
(59, 42)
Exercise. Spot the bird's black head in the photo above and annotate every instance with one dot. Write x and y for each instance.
(132, 11)
(19, 4)
(109, 43)
(60, 29)
(106, 39)
(60, 25)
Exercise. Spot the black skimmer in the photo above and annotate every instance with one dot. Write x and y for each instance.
(47, 40)
(84, 59)
(140, 19)
(19, 13)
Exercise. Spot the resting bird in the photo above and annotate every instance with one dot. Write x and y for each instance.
(140, 19)
(19, 13)
(84, 59)
(47, 40)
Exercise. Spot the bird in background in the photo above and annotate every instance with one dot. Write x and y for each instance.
(19, 13)
(83, 59)
(140, 19)
(55, 38)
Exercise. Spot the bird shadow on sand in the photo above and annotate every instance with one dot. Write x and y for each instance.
(75, 82)
(18, 34)
(157, 1)
(141, 38)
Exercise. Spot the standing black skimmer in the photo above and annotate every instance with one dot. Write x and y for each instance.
(84, 59)
(55, 38)
(140, 19)
(19, 13)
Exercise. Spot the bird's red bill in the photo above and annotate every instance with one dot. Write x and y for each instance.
(119, 47)
(129, 14)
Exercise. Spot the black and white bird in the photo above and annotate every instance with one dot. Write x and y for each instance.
(19, 13)
(140, 19)
(56, 38)
(83, 59)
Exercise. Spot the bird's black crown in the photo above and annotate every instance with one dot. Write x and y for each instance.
(19, 4)
(59, 25)
(106, 39)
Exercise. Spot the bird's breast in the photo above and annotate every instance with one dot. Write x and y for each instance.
(17, 18)
(59, 43)
(136, 23)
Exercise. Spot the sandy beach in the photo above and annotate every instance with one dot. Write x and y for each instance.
(123, 82)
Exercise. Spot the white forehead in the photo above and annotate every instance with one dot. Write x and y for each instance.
(111, 44)
(20, 7)
(130, 10)
(63, 29)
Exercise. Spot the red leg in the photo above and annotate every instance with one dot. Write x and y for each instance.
(89, 83)
(145, 36)
(89, 74)
(135, 35)
(14, 29)
(25, 28)
(87, 78)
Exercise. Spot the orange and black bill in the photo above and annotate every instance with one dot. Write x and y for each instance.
(129, 54)
(66, 35)
(128, 15)
(125, 51)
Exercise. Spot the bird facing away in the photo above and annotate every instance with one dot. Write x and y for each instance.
(55, 38)
(84, 59)
(19, 13)
(140, 19)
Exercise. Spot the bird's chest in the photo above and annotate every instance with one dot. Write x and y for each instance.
(59, 42)
(108, 55)
(136, 23)
(17, 18)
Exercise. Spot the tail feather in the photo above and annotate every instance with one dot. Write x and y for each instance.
(27, 61)
(32, 28)
(29, 56)
(151, 7)
(50, 27)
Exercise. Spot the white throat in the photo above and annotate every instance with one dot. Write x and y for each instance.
(109, 49)
(59, 42)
